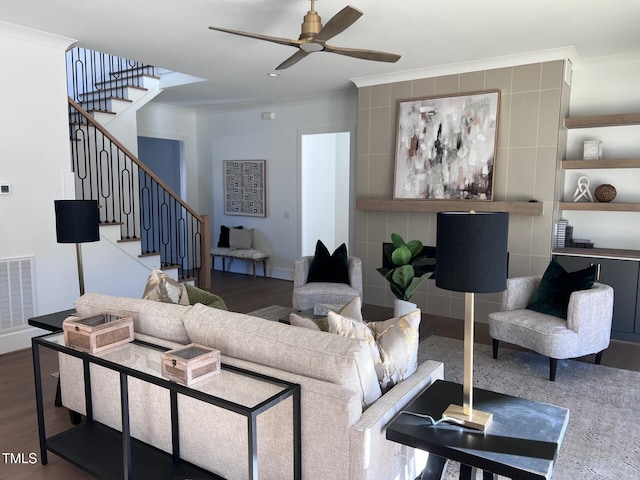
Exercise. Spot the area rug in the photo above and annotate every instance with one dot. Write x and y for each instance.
(603, 438)
(272, 312)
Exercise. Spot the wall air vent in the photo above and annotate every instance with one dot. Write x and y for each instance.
(16, 292)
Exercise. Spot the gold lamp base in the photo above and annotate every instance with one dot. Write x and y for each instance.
(475, 419)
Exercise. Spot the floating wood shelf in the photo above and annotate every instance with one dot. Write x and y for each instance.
(600, 206)
(432, 206)
(614, 253)
(592, 121)
(611, 163)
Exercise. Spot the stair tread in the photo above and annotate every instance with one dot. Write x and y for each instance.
(122, 99)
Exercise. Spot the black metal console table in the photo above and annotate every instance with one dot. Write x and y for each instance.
(108, 453)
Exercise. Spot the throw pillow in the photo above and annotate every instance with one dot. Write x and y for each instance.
(197, 295)
(162, 288)
(240, 238)
(393, 344)
(329, 267)
(557, 285)
(223, 239)
(353, 310)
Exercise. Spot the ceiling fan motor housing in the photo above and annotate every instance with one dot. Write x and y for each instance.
(311, 26)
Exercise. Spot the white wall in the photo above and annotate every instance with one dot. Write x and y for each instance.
(239, 134)
(606, 86)
(34, 103)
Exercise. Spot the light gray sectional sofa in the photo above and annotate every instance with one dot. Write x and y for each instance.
(343, 411)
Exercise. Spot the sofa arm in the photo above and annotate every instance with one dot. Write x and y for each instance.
(301, 271)
(373, 455)
(590, 312)
(355, 273)
(519, 291)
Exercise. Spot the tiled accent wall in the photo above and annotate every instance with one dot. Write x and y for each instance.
(531, 142)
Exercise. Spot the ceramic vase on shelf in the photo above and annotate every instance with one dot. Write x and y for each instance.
(402, 307)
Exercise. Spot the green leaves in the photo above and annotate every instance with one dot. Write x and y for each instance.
(402, 279)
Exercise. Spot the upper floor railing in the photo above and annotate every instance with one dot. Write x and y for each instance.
(93, 78)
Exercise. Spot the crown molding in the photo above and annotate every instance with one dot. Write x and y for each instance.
(35, 36)
(475, 66)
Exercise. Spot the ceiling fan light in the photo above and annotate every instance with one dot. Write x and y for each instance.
(311, 47)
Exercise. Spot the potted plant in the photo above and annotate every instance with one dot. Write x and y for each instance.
(404, 278)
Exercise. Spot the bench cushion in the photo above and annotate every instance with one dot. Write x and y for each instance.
(248, 253)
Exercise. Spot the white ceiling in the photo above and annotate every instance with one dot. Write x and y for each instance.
(173, 34)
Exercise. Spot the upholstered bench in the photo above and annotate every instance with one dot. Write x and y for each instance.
(241, 254)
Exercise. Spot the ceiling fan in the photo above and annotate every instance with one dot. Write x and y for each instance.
(314, 37)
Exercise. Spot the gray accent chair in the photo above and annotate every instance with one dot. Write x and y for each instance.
(587, 329)
(308, 295)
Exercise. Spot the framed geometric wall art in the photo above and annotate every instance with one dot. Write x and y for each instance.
(245, 187)
(446, 147)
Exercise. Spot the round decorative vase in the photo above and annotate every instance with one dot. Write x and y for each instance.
(605, 192)
(402, 307)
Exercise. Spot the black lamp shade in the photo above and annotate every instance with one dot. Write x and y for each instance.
(471, 251)
(77, 221)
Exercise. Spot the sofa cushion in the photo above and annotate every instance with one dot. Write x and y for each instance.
(342, 361)
(555, 288)
(393, 344)
(162, 320)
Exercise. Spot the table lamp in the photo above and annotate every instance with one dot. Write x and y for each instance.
(471, 257)
(77, 221)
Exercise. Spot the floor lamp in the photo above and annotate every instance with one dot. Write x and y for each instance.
(77, 221)
(471, 257)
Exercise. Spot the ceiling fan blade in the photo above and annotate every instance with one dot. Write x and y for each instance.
(279, 40)
(339, 23)
(293, 59)
(364, 54)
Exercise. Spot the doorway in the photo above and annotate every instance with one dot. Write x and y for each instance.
(325, 189)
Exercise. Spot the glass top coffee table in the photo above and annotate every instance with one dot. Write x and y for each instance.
(97, 448)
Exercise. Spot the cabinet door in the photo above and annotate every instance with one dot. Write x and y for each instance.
(622, 275)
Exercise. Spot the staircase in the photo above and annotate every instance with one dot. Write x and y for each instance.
(153, 225)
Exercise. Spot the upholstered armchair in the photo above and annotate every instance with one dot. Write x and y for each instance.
(308, 295)
(585, 331)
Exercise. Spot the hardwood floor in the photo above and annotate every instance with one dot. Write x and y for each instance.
(18, 426)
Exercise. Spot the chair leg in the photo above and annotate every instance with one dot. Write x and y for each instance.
(553, 365)
(495, 348)
(599, 357)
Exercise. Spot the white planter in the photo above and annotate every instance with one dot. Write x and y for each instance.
(402, 307)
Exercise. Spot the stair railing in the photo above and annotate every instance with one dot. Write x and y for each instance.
(93, 78)
(131, 195)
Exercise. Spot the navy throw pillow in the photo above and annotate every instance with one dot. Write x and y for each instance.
(329, 267)
(557, 285)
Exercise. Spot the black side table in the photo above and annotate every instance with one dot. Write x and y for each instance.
(52, 322)
(521, 443)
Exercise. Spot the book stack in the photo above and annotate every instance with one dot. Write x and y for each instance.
(561, 238)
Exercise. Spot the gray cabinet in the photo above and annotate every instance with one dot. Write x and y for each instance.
(624, 277)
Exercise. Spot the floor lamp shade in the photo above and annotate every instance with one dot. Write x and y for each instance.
(77, 221)
(471, 251)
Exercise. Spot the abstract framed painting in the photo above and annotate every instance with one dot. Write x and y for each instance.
(446, 147)
(245, 187)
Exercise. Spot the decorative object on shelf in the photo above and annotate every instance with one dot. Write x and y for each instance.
(581, 243)
(561, 235)
(406, 257)
(446, 147)
(98, 332)
(189, 364)
(77, 221)
(245, 188)
(605, 192)
(471, 257)
(592, 150)
(583, 190)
